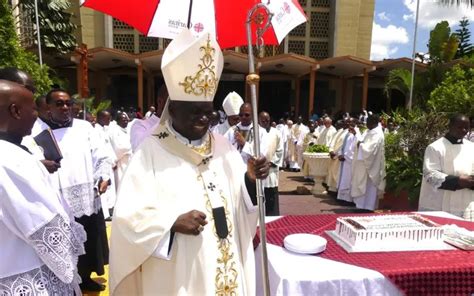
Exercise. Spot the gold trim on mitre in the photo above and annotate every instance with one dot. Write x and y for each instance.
(205, 81)
(192, 66)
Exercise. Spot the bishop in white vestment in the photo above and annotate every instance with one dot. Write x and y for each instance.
(189, 228)
(368, 167)
(448, 172)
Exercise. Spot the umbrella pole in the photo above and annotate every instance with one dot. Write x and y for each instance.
(253, 79)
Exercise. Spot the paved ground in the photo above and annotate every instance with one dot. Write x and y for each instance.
(292, 203)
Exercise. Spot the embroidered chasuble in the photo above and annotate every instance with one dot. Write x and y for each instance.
(443, 160)
(40, 241)
(166, 178)
(326, 135)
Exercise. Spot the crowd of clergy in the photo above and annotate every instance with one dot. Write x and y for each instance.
(129, 170)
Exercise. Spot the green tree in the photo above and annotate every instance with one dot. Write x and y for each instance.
(13, 55)
(465, 47)
(442, 45)
(400, 79)
(455, 93)
(55, 22)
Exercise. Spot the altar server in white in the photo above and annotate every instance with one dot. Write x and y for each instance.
(346, 156)
(448, 172)
(189, 227)
(368, 167)
(83, 176)
(40, 242)
(231, 105)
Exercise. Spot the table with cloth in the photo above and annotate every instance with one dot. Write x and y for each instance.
(337, 272)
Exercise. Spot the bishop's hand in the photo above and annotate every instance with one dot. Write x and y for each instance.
(258, 168)
(191, 223)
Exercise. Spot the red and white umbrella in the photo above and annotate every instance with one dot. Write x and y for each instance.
(225, 19)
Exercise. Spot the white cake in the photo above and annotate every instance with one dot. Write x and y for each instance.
(388, 232)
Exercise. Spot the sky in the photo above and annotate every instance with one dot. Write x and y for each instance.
(394, 22)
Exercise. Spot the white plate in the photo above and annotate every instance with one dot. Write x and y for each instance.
(305, 243)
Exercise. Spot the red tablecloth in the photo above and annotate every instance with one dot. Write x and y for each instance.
(414, 273)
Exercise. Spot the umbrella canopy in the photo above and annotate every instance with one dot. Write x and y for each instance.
(225, 19)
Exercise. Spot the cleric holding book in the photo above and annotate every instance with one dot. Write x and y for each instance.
(448, 172)
(186, 211)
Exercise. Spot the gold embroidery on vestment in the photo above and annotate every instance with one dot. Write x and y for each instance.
(205, 81)
(226, 272)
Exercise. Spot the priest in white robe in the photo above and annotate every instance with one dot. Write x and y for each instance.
(346, 156)
(309, 139)
(295, 146)
(327, 133)
(83, 176)
(368, 167)
(189, 227)
(108, 198)
(334, 163)
(274, 153)
(231, 105)
(282, 127)
(448, 172)
(120, 140)
(40, 241)
(241, 135)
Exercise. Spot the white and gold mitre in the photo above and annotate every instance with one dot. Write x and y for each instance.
(232, 103)
(192, 67)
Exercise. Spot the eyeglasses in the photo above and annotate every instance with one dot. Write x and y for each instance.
(60, 103)
(244, 115)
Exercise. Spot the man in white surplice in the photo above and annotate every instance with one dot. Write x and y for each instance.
(120, 140)
(40, 241)
(241, 135)
(83, 176)
(231, 105)
(346, 155)
(368, 167)
(448, 172)
(190, 223)
(274, 153)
